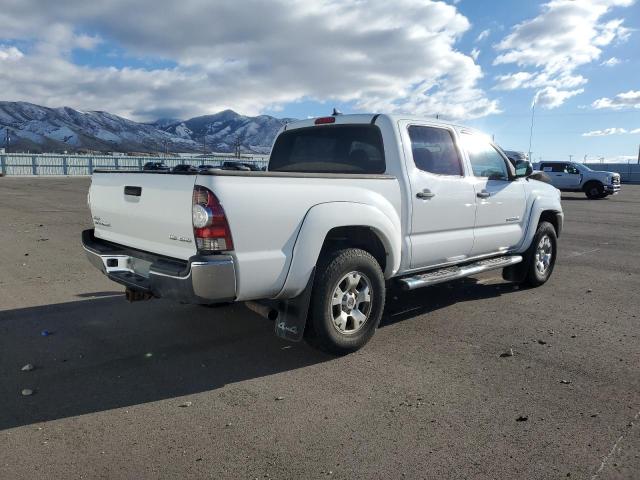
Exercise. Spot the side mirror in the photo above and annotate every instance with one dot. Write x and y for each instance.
(523, 168)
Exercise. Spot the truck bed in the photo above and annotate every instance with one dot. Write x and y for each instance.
(265, 212)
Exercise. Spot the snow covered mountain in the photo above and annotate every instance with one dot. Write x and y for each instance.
(222, 130)
(42, 129)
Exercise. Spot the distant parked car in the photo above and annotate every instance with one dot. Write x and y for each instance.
(184, 168)
(206, 167)
(244, 166)
(155, 166)
(577, 177)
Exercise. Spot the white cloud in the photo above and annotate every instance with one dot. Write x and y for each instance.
(635, 131)
(10, 53)
(550, 97)
(380, 55)
(630, 99)
(564, 36)
(605, 132)
(475, 53)
(612, 62)
(483, 34)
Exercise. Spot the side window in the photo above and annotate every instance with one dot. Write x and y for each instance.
(485, 159)
(568, 168)
(434, 151)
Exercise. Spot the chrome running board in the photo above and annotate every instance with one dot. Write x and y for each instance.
(452, 273)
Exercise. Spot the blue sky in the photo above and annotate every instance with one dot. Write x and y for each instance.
(480, 63)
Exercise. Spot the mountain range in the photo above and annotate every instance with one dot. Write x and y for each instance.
(36, 128)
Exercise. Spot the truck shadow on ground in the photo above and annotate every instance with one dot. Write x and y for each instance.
(103, 353)
(401, 305)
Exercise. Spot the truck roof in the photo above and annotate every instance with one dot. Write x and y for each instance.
(368, 117)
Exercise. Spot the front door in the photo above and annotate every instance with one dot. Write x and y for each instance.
(501, 199)
(564, 176)
(443, 198)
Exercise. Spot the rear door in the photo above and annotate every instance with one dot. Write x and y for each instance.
(555, 171)
(501, 199)
(442, 196)
(146, 211)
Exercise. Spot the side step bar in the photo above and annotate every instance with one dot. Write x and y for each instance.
(451, 273)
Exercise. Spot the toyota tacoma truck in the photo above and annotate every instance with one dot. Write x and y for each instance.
(577, 177)
(350, 205)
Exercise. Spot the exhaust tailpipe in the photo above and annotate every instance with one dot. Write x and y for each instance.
(265, 311)
(136, 295)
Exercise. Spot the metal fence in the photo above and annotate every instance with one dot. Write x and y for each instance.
(45, 164)
(629, 172)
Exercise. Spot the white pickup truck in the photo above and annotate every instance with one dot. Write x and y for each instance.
(349, 206)
(577, 177)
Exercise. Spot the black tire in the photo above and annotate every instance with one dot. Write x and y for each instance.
(594, 190)
(534, 277)
(332, 272)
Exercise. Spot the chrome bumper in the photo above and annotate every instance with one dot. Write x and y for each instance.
(201, 279)
(612, 189)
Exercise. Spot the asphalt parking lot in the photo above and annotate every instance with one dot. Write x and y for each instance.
(162, 390)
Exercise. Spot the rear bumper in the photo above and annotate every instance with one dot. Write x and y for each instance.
(201, 279)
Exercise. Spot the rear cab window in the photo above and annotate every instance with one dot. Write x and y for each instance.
(434, 151)
(355, 149)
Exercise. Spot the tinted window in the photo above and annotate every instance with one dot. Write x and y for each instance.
(553, 167)
(568, 168)
(485, 159)
(329, 149)
(434, 151)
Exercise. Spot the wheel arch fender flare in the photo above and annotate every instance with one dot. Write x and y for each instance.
(541, 204)
(324, 217)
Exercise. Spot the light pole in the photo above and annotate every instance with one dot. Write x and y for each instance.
(533, 110)
(7, 140)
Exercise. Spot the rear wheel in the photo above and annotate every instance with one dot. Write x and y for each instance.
(347, 301)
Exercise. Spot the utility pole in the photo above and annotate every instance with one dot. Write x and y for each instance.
(533, 109)
(204, 145)
(7, 139)
(638, 154)
(570, 158)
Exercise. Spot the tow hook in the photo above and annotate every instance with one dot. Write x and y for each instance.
(136, 295)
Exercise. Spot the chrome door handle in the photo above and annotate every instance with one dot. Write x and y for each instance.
(483, 194)
(425, 194)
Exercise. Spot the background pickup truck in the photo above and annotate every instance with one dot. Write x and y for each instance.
(350, 205)
(576, 177)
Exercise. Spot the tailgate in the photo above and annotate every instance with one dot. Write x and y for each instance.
(145, 211)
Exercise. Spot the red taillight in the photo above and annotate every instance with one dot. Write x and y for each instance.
(210, 225)
(324, 120)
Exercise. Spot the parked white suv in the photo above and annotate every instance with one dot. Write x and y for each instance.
(350, 204)
(577, 177)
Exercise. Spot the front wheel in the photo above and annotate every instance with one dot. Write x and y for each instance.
(594, 190)
(541, 256)
(347, 301)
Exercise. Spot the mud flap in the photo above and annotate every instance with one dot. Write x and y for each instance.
(292, 314)
(517, 273)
